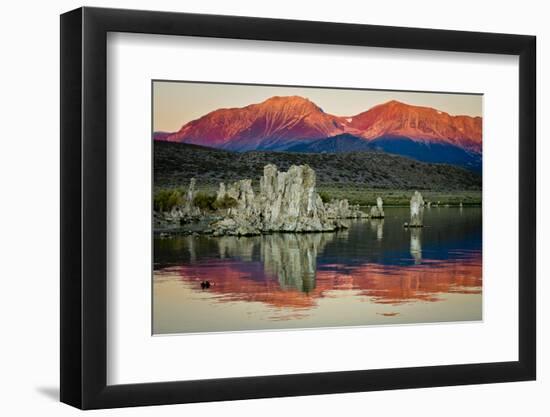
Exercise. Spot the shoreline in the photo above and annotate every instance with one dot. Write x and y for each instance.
(199, 228)
(362, 195)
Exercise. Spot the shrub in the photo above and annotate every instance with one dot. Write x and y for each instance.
(204, 201)
(325, 198)
(166, 198)
(225, 203)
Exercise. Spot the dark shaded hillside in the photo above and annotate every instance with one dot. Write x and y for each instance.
(421, 151)
(430, 152)
(344, 143)
(176, 163)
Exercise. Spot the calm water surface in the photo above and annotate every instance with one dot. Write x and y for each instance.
(375, 272)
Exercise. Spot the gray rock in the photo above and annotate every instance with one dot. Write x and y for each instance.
(417, 210)
(377, 212)
(184, 213)
(191, 193)
(287, 202)
(341, 209)
(221, 192)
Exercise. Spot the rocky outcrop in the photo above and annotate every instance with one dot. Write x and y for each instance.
(377, 212)
(417, 210)
(189, 208)
(287, 202)
(183, 212)
(243, 219)
(221, 192)
(341, 209)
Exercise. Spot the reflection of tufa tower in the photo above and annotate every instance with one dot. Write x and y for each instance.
(288, 257)
(293, 258)
(229, 247)
(377, 225)
(416, 245)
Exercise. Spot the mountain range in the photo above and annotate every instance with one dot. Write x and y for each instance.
(296, 124)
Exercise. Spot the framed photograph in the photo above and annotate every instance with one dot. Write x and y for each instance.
(257, 208)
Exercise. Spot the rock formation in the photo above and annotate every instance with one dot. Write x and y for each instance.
(189, 208)
(221, 192)
(377, 212)
(417, 210)
(185, 211)
(341, 209)
(190, 196)
(287, 202)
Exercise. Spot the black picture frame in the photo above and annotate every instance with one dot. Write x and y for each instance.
(84, 207)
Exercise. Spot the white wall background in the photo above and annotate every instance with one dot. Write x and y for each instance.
(29, 232)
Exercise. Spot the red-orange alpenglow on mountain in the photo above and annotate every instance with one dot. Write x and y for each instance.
(423, 123)
(296, 124)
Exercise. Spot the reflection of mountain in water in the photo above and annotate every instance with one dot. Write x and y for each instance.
(290, 258)
(378, 260)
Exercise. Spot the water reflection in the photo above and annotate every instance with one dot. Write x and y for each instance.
(416, 244)
(375, 270)
(377, 226)
(292, 258)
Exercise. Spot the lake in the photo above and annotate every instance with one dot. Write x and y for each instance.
(374, 273)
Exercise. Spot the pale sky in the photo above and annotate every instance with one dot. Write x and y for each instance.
(176, 103)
